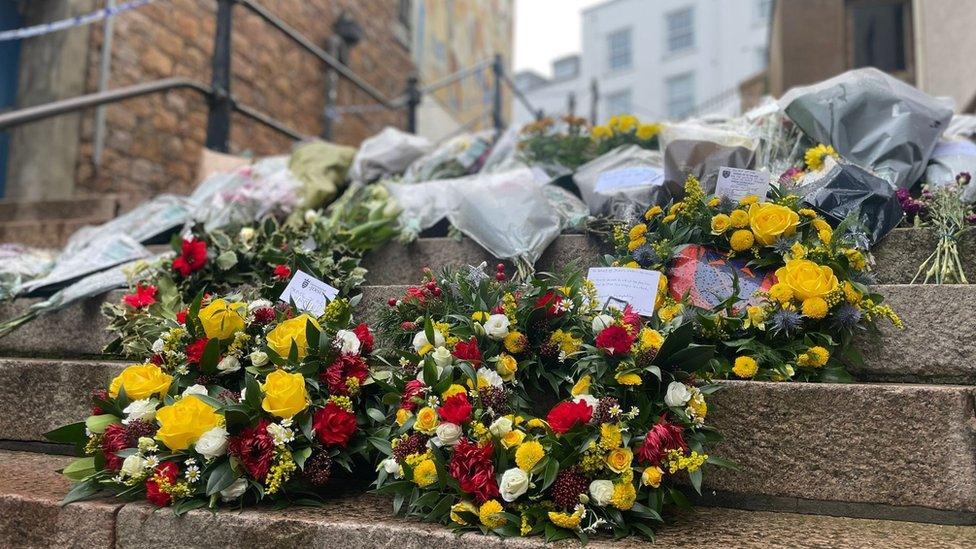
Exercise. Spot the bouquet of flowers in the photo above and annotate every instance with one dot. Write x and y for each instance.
(943, 209)
(238, 402)
(772, 284)
(622, 130)
(570, 144)
(260, 258)
(475, 445)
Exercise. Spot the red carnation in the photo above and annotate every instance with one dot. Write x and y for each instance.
(415, 294)
(662, 437)
(550, 302)
(194, 351)
(472, 467)
(334, 425)
(282, 272)
(615, 340)
(143, 297)
(456, 409)
(264, 315)
(631, 318)
(468, 350)
(181, 316)
(167, 471)
(411, 390)
(365, 338)
(565, 415)
(254, 448)
(341, 369)
(193, 257)
(114, 440)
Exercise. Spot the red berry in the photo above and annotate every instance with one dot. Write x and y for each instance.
(499, 276)
(431, 285)
(500, 267)
(391, 302)
(437, 292)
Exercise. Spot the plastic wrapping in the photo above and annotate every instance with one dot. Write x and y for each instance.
(387, 153)
(694, 149)
(873, 120)
(322, 168)
(20, 264)
(950, 158)
(456, 157)
(98, 255)
(247, 194)
(504, 153)
(625, 180)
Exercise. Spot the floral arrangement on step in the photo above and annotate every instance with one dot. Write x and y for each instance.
(475, 444)
(569, 143)
(942, 208)
(239, 402)
(259, 258)
(779, 291)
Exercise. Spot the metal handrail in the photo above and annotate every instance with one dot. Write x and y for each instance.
(520, 96)
(455, 76)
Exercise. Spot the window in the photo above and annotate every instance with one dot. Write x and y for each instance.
(618, 44)
(565, 68)
(618, 103)
(680, 95)
(680, 26)
(879, 35)
(764, 10)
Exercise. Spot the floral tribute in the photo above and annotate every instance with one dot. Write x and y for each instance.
(238, 402)
(477, 444)
(772, 285)
(569, 143)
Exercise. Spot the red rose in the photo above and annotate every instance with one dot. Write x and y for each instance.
(167, 471)
(181, 316)
(341, 370)
(282, 272)
(194, 351)
(472, 467)
(115, 439)
(550, 302)
(254, 448)
(334, 425)
(468, 350)
(143, 297)
(662, 437)
(615, 340)
(565, 415)
(193, 257)
(411, 390)
(365, 338)
(456, 409)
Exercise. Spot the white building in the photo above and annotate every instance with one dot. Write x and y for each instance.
(657, 59)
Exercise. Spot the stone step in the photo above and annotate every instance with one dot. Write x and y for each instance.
(30, 516)
(898, 256)
(848, 449)
(102, 206)
(45, 233)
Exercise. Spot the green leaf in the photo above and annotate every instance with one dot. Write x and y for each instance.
(80, 491)
(221, 477)
(696, 480)
(80, 469)
(376, 415)
(252, 393)
(73, 433)
(211, 356)
(429, 330)
(300, 456)
(552, 469)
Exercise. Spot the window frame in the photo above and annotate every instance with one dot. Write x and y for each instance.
(628, 32)
(690, 10)
(691, 77)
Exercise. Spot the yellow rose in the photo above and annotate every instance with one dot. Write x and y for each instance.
(221, 319)
(739, 218)
(757, 315)
(284, 394)
(426, 420)
(182, 423)
(402, 416)
(291, 331)
(141, 381)
(769, 222)
(745, 367)
(741, 240)
(662, 291)
(807, 279)
(528, 454)
(619, 459)
(506, 367)
(479, 316)
(720, 224)
(652, 477)
(512, 439)
(453, 390)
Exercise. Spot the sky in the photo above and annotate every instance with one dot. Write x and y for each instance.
(545, 30)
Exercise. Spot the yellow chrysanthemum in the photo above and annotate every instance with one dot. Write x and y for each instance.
(741, 240)
(627, 122)
(815, 307)
(814, 157)
(815, 356)
(567, 520)
(488, 514)
(636, 243)
(515, 342)
(648, 131)
(739, 218)
(425, 473)
(653, 212)
(624, 495)
(781, 292)
(528, 455)
(745, 367)
(748, 200)
(649, 339)
(630, 379)
(601, 132)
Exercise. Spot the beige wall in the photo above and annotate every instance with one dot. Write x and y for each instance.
(945, 51)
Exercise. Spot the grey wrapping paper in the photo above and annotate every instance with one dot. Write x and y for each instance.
(624, 180)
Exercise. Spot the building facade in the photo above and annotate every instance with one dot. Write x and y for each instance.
(659, 59)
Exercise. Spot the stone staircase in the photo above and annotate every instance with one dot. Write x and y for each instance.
(49, 223)
(888, 461)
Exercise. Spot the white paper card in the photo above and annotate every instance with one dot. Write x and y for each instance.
(624, 178)
(737, 183)
(636, 287)
(309, 293)
(955, 147)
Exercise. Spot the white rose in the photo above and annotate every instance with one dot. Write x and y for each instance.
(515, 483)
(246, 234)
(347, 342)
(229, 364)
(490, 377)
(258, 358)
(258, 304)
(589, 399)
(500, 427)
(234, 491)
(678, 395)
(601, 322)
(497, 327)
(133, 465)
(442, 356)
(212, 443)
(157, 346)
(448, 434)
(601, 492)
(311, 216)
(391, 466)
(144, 409)
(420, 340)
(195, 390)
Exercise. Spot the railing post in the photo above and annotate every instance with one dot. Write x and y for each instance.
(413, 101)
(496, 108)
(571, 104)
(221, 104)
(594, 100)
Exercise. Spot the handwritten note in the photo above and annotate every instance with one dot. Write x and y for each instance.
(738, 183)
(636, 287)
(623, 178)
(309, 293)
